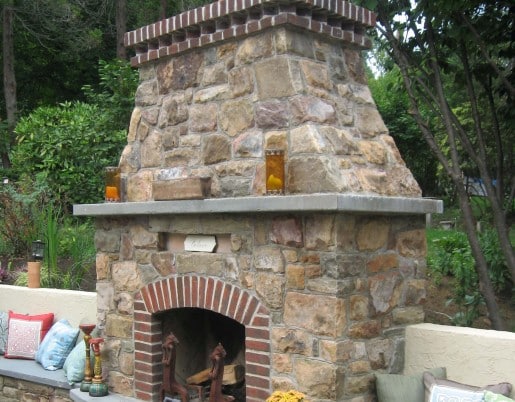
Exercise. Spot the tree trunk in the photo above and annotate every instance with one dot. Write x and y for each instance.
(121, 28)
(481, 266)
(162, 9)
(11, 103)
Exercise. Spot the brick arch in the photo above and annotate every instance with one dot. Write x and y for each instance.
(206, 293)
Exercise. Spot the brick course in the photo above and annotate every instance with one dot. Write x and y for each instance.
(228, 19)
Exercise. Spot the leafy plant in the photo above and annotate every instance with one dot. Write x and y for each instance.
(76, 245)
(20, 215)
(450, 255)
(469, 309)
(115, 93)
(48, 278)
(497, 267)
(69, 147)
(50, 230)
(72, 254)
(72, 142)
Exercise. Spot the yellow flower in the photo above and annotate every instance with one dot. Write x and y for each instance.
(287, 396)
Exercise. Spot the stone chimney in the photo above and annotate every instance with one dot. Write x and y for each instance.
(222, 83)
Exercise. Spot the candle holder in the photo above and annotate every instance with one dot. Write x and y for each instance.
(87, 329)
(274, 161)
(112, 184)
(97, 387)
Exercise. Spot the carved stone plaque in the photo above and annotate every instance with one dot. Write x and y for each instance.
(200, 243)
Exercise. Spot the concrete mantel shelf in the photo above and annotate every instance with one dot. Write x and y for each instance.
(268, 204)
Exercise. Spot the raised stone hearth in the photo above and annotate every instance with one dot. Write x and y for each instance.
(310, 290)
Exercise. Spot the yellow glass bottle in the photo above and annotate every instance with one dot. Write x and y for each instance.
(274, 160)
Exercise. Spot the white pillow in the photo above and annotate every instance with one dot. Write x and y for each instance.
(444, 393)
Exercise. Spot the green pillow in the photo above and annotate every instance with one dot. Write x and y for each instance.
(491, 397)
(403, 388)
(75, 363)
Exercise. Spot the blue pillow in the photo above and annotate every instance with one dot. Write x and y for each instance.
(4, 326)
(57, 345)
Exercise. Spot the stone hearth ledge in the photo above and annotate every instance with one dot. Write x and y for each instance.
(268, 204)
(77, 396)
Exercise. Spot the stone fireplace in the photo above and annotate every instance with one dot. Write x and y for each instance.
(310, 290)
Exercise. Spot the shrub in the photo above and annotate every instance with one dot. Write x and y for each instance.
(69, 147)
(449, 254)
(21, 215)
(75, 247)
(115, 93)
(76, 244)
(71, 143)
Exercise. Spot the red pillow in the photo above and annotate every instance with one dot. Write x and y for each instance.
(25, 334)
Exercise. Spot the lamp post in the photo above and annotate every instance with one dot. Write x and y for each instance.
(34, 266)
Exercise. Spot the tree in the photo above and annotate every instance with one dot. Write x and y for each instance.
(9, 81)
(393, 104)
(121, 27)
(456, 61)
(57, 45)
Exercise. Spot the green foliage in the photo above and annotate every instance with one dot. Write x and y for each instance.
(71, 143)
(392, 103)
(469, 309)
(51, 241)
(48, 279)
(497, 268)
(115, 93)
(69, 146)
(77, 247)
(74, 245)
(57, 45)
(449, 254)
(21, 218)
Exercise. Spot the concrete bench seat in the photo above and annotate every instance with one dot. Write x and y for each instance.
(29, 370)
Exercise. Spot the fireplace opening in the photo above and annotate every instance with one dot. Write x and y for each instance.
(198, 332)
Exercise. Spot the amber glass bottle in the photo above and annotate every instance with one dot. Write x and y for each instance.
(274, 171)
(112, 184)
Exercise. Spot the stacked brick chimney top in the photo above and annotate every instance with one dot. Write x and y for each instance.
(226, 19)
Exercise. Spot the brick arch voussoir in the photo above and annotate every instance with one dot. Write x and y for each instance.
(201, 292)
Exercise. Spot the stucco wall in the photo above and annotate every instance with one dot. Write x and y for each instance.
(75, 306)
(472, 356)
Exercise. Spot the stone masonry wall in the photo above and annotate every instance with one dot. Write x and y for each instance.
(15, 390)
(213, 112)
(336, 292)
(324, 297)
